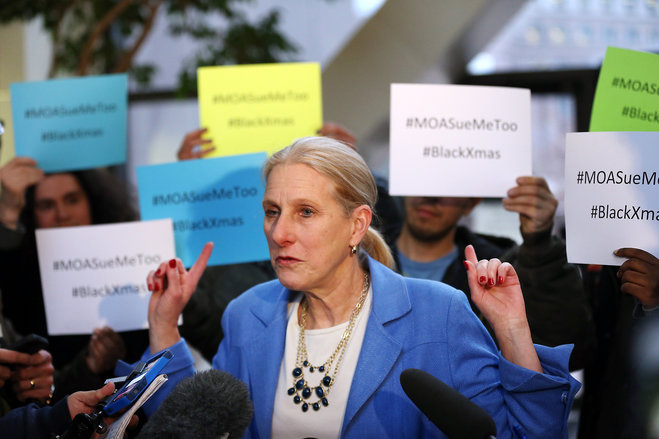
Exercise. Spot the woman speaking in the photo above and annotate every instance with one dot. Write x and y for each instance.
(322, 347)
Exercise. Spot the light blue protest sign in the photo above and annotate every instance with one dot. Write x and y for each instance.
(217, 199)
(69, 124)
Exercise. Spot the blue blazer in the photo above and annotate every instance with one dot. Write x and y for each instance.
(413, 323)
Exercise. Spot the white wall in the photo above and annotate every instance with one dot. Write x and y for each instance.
(319, 28)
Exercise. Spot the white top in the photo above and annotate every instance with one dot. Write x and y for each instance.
(288, 419)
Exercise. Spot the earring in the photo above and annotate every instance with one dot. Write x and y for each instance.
(353, 250)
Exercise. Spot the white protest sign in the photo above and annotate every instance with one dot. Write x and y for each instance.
(611, 201)
(458, 140)
(94, 276)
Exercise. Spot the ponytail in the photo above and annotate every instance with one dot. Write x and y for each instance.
(375, 245)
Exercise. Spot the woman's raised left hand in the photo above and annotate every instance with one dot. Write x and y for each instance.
(172, 285)
(496, 291)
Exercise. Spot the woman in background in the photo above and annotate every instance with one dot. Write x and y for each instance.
(30, 200)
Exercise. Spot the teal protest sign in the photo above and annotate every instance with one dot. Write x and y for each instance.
(217, 199)
(70, 124)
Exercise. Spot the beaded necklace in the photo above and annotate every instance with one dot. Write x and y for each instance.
(301, 392)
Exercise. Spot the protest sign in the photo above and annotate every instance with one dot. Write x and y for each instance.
(216, 200)
(261, 107)
(627, 93)
(98, 274)
(611, 195)
(459, 141)
(70, 124)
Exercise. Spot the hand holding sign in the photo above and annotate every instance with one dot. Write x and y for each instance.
(106, 347)
(16, 176)
(640, 276)
(194, 146)
(172, 285)
(534, 202)
(338, 132)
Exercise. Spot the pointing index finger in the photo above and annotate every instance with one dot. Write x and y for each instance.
(200, 265)
(470, 255)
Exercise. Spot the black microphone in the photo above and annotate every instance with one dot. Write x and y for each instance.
(209, 404)
(448, 409)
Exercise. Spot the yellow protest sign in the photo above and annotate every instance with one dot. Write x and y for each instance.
(259, 107)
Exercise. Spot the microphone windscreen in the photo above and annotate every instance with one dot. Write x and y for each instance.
(452, 412)
(209, 404)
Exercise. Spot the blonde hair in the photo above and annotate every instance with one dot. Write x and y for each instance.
(353, 182)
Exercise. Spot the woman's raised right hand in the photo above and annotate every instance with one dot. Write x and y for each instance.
(172, 285)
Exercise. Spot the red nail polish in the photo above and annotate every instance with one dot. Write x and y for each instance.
(482, 279)
(158, 272)
(466, 265)
(500, 279)
(172, 263)
(491, 282)
(150, 286)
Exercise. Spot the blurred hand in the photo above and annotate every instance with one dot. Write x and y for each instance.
(534, 202)
(34, 379)
(172, 285)
(9, 358)
(105, 348)
(639, 275)
(194, 146)
(337, 132)
(15, 177)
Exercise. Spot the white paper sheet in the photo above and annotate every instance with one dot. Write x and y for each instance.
(611, 195)
(94, 276)
(458, 140)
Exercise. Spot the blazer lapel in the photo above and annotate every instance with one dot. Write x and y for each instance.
(380, 350)
(263, 357)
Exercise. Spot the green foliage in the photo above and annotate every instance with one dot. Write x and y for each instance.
(240, 43)
(103, 36)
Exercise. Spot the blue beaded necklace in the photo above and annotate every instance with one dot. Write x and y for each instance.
(301, 392)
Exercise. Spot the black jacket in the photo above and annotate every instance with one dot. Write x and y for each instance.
(34, 422)
(612, 407)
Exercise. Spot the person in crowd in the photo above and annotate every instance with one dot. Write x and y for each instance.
(29, 200)
(23, 377)
(321, 348)
(622, 299)
(33, 421)
(221, 284)
(429, 245)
